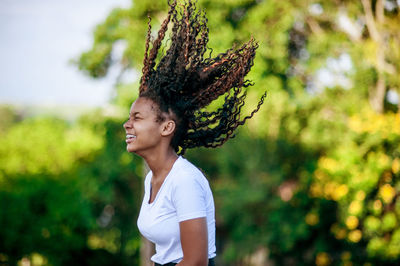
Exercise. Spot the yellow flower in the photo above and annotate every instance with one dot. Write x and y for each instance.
(329, 189)
(340, 234)
(355, 207)
(355, 236)
(360, 195)
(383, 160)
(351, 222)
(396, 165)
(387, 193)
(339, 192)
(328, 163)
(371, 122)
(377, 205)
(322, 259)
(38, 259)
(355, 124)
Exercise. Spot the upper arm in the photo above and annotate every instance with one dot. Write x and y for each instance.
(194, 240)
(189, 198)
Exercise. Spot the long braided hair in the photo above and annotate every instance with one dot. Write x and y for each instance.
(185, 81)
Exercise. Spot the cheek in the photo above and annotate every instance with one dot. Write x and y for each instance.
(147, 129)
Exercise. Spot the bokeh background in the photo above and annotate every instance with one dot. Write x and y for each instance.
(312, 179)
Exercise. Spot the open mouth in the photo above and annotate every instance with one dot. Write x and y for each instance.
(130, 138)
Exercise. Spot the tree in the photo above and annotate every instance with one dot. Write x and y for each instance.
(67, 193)
(329, 68)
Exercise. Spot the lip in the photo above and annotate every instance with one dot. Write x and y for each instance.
(130, 140)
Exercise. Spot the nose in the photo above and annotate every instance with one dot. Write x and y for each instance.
(127, 125)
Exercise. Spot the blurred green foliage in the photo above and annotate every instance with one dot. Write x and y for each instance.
(312, 179)
(68, 193)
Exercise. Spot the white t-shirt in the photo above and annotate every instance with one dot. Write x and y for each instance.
(185, 194)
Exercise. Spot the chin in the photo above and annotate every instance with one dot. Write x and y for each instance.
(133, 150)
(130, 149)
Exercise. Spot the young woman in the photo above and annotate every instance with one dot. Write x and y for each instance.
(177, 212)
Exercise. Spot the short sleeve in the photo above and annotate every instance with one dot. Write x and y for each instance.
(189, 198)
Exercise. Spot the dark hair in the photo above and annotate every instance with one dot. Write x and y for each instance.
(185, 81)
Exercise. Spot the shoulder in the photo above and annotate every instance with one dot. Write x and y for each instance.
(190, 192)
(186, 176)
(186, 170)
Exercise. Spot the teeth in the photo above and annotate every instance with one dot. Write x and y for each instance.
(128, 136)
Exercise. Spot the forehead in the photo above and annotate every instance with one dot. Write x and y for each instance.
(143, 106)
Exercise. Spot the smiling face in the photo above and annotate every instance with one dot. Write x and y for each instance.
(144, 132)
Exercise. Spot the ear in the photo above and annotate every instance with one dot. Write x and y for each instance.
(167, 128)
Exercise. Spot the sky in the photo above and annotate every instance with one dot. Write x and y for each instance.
(38, 39)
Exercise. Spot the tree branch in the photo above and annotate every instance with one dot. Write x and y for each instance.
(370, 21)
(380, 11)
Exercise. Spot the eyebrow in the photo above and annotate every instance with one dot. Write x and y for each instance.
(133, 114)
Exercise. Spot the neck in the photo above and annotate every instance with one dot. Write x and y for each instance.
(160, 163)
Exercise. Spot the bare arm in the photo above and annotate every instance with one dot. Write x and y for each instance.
(147, 250)
(194, 240)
